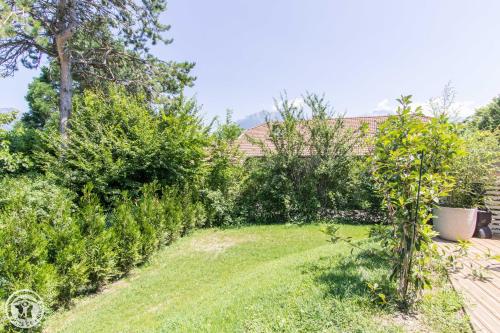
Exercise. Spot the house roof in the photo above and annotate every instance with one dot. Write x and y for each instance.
(261, 133)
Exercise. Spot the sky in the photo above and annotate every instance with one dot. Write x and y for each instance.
(362, 54)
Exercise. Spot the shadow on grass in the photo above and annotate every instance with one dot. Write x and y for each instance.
(348, 275)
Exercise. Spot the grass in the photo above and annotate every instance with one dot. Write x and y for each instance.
(256, 279)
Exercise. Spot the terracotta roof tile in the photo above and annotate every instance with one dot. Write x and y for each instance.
(260, 133)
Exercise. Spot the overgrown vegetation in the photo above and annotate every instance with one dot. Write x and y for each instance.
(127, 166)
(474, 170)
(225, 176)
(62, 249)
(10, 161)
(133, 176)
(309, 171)
(78, 213)
(93, 44)
(118, 143)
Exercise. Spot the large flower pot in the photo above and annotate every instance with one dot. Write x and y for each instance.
(454, 223)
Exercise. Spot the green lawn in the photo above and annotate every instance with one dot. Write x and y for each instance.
(255, 279)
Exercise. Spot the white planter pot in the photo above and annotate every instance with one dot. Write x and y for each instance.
(454, 223)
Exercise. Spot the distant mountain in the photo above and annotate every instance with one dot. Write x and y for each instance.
(258, 118)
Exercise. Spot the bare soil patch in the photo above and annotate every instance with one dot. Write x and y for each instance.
(218, 242)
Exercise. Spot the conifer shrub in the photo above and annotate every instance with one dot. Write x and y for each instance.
(62, 247)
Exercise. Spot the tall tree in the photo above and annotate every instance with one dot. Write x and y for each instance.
(99, 37)
(42, 99)
(152, 79)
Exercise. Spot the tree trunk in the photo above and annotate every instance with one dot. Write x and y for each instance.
(65, 94)
(66, 14)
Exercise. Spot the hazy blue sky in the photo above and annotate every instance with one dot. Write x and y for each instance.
(361, 54)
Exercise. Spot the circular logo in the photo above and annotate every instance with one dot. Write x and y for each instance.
(24, 308)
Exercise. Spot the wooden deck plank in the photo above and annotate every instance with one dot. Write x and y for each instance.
(491, 282)
(481, 297)
(492, 244)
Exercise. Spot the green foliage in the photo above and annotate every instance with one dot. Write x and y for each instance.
(35, 221)
(19, 145)
(63, 243)
(68, 256)
(265, 197)
(225, 175)
(11, 162)
(118, 143)
(308, 171)
(60, 249)
(99, 240)
(378, 297)
(150, 218)
(95, 44)
(411, 165)
(128, 235)
(278, 188)
(475, 169)
(140, 227)
(360, 192)
(42, 98)
(330, 144)
(168, 80)
(487, 117)
(174, 211)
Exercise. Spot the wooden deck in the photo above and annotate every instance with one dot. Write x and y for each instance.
(477, 278)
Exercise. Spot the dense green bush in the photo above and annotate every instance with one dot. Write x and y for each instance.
(268, 195)
(128, 235)
(61, 249)
(11, 161)
(225, 175)
(475, 169)
(99, 240)
(77, 213)
(310, 170)
(35, 223)
(193, 213)
(150, 218)
(361, 190)
(280, 188)
(118, 143)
